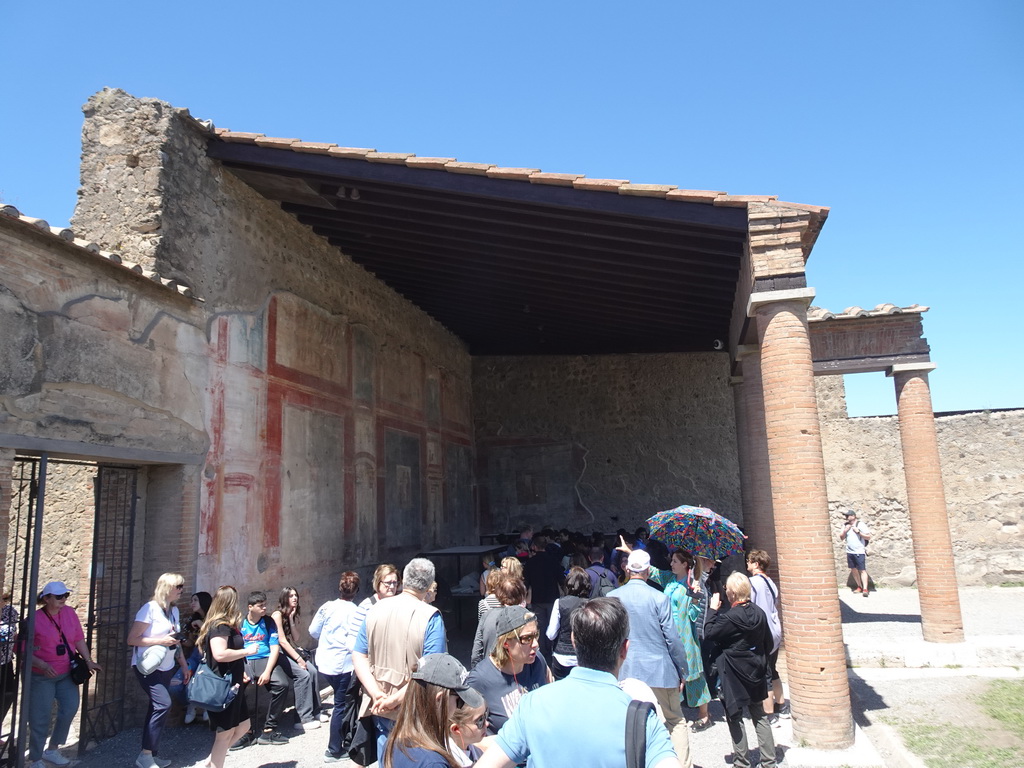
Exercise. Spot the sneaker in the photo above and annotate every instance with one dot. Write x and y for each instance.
(37, 764)
(190, 715)
(54, 757)
(325, 717)
(783, 710)
(312, 725)
(161, 762)
(773, 720)
(272, 737)
(247, 740)
(329, 758)
(206, 716)
(701, 725)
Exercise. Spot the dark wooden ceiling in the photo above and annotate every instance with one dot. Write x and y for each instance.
(515, 268)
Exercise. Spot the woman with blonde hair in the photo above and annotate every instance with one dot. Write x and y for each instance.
(220, 641)
(157, 626)
(745, 640)
(386, 581)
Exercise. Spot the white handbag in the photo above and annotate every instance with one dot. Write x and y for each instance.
(152, 658)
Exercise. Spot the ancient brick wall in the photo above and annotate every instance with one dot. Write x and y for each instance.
(338, 413)
(598, 443)
(984, 483)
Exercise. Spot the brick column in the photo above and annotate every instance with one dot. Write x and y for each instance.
(752, 448)
(815, 656)
(941, 621)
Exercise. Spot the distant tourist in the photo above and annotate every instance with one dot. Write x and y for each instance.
(856, 535)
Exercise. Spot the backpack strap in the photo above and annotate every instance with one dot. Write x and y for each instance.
(636, 733)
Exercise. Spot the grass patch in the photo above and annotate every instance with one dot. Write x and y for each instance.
(1012, 584)
(1004, 701)
(944, 746)
(994, 745)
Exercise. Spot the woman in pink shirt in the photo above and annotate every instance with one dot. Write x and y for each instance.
(56, 628)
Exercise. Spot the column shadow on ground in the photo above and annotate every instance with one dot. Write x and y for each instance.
(851, 616)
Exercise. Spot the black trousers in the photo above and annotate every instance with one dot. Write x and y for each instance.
(278, 686)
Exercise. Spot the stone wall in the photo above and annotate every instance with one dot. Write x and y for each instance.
(980, 453)
(599, 443)
(338, 413)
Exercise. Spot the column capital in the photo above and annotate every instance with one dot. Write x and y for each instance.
(909, 368)
(758, 300)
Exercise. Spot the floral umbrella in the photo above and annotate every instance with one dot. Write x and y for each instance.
(697, 530)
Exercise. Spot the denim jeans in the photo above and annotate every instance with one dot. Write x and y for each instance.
(44, 691)
(156, 685)
(384, 727)
(340, 685)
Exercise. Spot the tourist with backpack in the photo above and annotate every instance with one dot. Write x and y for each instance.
(602, 579)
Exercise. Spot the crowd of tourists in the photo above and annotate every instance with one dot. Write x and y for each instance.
(571, 633)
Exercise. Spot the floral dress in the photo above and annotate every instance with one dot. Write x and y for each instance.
(684, 612)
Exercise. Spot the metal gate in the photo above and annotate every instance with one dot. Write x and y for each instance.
(27, 488)
(110, 604)
(109, 616)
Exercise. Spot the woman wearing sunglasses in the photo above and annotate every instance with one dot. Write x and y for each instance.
(156, 626)
(56, 628)
(513, 667)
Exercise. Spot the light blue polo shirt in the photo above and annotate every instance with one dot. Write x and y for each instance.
(580, 720)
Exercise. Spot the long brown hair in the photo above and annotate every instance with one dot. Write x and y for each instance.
(422, 722)
(223, 610)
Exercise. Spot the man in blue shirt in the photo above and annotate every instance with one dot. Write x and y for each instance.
(260, 632)
(581, 720)
(397, 631)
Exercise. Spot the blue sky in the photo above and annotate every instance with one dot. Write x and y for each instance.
(905, 118)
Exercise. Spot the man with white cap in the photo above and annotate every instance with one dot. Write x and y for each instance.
(656, 654)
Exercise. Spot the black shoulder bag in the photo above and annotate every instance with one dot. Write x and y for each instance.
(80, 672)
(636, 733)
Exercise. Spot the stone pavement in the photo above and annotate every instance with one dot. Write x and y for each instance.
(892, 664)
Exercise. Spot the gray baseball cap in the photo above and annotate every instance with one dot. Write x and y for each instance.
(446, 671)
(512, 617)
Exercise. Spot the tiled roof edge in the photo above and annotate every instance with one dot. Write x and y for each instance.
(819, 314)
(66, 235)
(529, 175)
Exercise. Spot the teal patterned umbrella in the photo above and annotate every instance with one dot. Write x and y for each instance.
(697, 530)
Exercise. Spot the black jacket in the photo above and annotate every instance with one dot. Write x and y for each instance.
(745, 640)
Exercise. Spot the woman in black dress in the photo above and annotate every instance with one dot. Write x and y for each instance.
(221, 643)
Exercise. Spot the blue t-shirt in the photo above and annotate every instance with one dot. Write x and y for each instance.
(263, 633)
(417, 757)
(545, 728)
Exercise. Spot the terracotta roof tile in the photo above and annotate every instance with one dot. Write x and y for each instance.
(599, 185)
(239, 137)
(355, 153)
(740, 201)
(557, 179)
(67, 236)
(646, 190)
(431, 163)
(268, 141)
(694, 195)
(819, 314)
(313, 147)
(395, 158)
(517, 174)
(479, 169)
